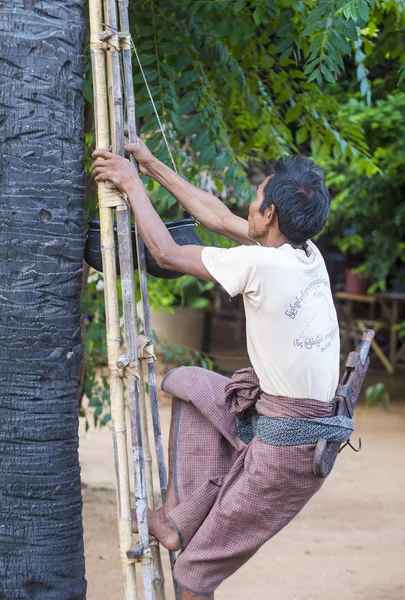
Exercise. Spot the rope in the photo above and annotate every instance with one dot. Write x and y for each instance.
(125, 41)
(145, 348)
(110, 197)
(153, 103)
(128, 368)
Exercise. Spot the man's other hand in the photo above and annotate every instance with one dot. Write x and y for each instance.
(114, 168)
(142, 154)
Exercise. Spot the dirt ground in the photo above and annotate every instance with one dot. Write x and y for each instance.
(348, 542)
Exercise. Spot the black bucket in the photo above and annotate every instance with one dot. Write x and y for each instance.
(182, 232)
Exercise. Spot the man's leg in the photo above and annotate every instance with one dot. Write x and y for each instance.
(158, 523)
(170, 501)
(202, 444)
(184, 595)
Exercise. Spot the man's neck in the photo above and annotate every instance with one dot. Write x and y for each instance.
(276, 240)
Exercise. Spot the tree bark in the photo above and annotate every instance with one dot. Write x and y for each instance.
(41, 252)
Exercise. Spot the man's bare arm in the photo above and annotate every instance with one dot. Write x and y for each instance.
(186, 259)
(204, 207)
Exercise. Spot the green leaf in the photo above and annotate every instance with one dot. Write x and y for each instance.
(150, 125)
(271, 6)
(154, 141)
(188, 102)
(314, 15)
(378, 394)
(221, 161)
(259, 13)
(230, 175)
(334, 54)
(347, 28)
(168, 48)
(187, 78)
(284, 29)
(363, 9)
(201, 141)
(143, 110)
(147, 59)
(324, 151)
(309, 67)
(340, 42)
(284, 45)
(192, 125)
(327, 74)
(168, 70)
(145, 45)
(182, 62)
(314, 75)
(349, 10)
(301, 135)
(293, 113)
(199, 303)
(309, 29)
(222, 52)
(206, 155)
(150, 75)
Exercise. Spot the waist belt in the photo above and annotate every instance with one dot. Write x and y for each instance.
(292, 431)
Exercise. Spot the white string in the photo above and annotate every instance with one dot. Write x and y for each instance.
(153, 103)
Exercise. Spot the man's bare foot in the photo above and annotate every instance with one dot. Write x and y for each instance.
(160, 526)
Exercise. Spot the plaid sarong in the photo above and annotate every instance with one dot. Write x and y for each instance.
(232, 497)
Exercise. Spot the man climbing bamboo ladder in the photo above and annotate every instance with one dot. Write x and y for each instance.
(241, 450)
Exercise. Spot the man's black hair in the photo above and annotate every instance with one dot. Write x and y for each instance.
(300, 196)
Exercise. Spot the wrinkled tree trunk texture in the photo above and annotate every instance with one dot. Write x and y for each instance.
(41, 251)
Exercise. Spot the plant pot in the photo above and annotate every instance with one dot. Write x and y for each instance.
(182, 232)
(355, 283)
(185, 326)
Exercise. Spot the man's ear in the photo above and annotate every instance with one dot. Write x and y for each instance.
(271, 214)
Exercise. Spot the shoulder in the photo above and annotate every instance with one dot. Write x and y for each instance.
(251, 253)
(241, 257)
(309, 258)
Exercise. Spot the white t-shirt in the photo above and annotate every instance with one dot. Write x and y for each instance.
(291, 323)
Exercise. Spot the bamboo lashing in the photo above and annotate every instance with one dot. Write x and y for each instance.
(107, 46)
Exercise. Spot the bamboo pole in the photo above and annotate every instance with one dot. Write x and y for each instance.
(130, 361)
(132, 135)
(106, 201)
(130, 364)
(153, 395)
(157, 569)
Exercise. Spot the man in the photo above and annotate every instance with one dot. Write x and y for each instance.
(240, 453)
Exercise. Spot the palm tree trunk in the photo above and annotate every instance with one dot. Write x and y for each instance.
(41, 253)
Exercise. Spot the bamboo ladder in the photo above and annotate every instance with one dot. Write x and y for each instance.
(110, 45)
